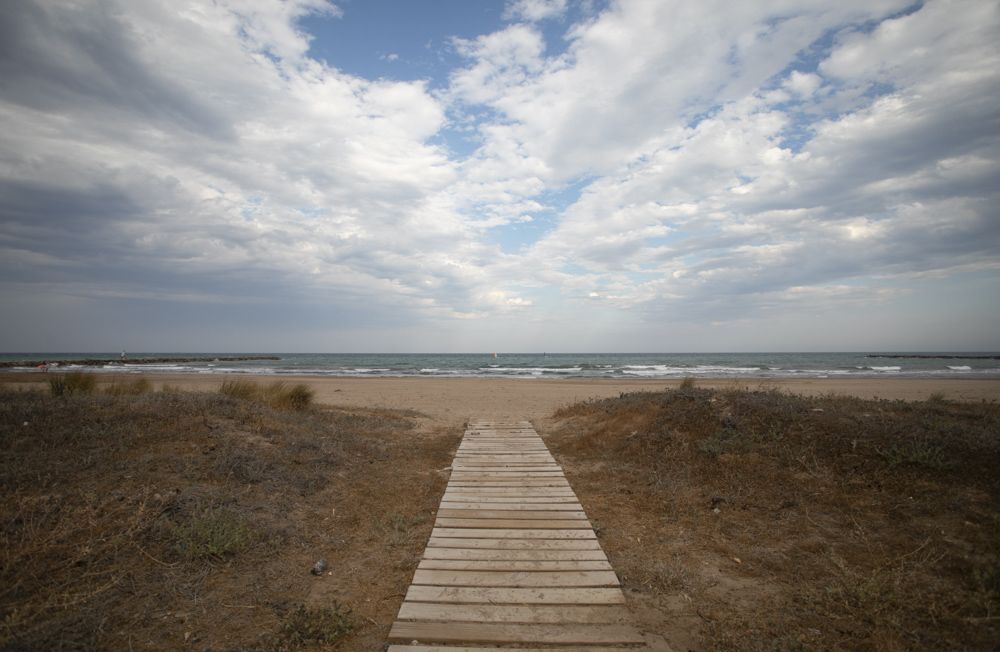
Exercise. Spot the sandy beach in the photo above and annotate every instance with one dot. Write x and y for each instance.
(451, 401)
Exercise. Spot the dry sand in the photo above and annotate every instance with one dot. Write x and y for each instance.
(451, 401)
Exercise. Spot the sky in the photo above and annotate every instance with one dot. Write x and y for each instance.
(519, 175)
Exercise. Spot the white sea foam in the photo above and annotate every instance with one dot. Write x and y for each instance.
(960, 367)
(533, 371)
(886, 369)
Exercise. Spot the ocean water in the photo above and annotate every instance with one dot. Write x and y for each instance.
(555, 365)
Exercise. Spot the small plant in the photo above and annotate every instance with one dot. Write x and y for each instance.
(212, 534)
(296, 397)
(687, 383)
(310, 625)
(243, 466)
(915, 452)
(277, 394)
(717, 443)
(241, 389)
(72, 383)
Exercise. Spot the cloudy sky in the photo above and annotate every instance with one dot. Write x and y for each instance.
(520, 175)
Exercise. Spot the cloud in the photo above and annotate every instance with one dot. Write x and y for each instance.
(696, 193)
(676, 161)
(231, 166)
(534, 10)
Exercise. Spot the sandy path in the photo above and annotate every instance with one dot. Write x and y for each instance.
(453, 401)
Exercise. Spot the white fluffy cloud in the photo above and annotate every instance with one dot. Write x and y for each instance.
(698, 193)
(534, 10)
(729, 160)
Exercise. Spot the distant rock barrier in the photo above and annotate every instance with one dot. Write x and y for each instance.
(101, 362)
(934, 357)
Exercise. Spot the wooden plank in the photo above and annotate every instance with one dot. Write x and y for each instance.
(512, 565)
(505, 467)
(573, 634)
(512, 491)
(517, 508)
(508, 482)
(488, 595)
(488, 512)
(503, 475)
(515, 578)
(449, 648)
(504, 457)
(510, 523)
(500, 492)
(514, 555)
(512, 560)
(493, 613)
(524, 501)
(514, 533)
(514, 544)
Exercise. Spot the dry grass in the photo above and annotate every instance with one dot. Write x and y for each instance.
(758, 520)
(72, 383)
(175, 520)
(278, 394)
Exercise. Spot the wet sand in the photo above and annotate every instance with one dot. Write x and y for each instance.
(454, 400)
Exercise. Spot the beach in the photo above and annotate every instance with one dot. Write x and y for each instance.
(452, 401)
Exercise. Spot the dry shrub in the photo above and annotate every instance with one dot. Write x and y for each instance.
(241, 389)
(856, 523)
(118, 509)
(74, 382)
(278, 394)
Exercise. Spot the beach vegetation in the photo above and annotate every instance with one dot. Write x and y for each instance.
(190, 520)
(129, 388)
(240, 389)
(749, 520)
(212, 533)
(74, 382)
(278, 394)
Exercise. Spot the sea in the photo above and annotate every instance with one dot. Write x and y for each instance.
(530, 366)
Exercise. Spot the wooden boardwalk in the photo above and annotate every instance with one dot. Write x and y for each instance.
(512, 562)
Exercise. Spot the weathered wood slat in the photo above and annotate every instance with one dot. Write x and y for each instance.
(514, 544)
(492, 613)
(480, 512)
(510, 523)
(512, 565)
(512, 559)
(499, 492)
(493, 595)
(514, 533)
(515, 578)
(517, 508)
(506, 633)
(450, 648)
(514, 555)
(512, 483)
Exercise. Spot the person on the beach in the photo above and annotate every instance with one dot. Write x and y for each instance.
(44, 366)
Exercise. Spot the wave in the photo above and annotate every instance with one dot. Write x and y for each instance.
(531, 370)
(960, 367)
